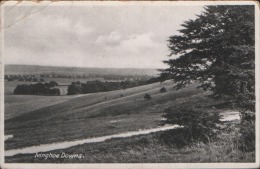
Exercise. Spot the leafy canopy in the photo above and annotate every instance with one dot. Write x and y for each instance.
(215, 50)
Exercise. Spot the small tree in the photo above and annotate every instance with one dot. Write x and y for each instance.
(74, 88)
(147, 97)
(53, 84)
(163, 90)
(54, 91)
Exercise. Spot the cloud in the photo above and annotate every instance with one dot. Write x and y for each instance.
(44, 40)
(111, 39)
(141, 50)
(93, 36)
(136, 43)
(80, 29)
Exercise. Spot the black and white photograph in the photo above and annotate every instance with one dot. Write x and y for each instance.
(139, 84)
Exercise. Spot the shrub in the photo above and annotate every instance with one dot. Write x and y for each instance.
(201, 124)
(246, 105)
(247, 131)
(147, 97)
(53, 84)
(74, 88)
(54, 91)
(178, 137)
(163, 90)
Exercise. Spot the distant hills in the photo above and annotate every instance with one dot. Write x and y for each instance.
(35, 69)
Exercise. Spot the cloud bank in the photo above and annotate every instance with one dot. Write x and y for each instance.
(92, 36)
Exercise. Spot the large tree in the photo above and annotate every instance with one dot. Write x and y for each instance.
(216, 50)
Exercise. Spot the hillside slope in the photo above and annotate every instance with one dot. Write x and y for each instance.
(95, 115)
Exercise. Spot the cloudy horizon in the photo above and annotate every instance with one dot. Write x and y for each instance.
(92, 36)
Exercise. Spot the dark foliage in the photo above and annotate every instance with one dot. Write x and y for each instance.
(74, 88)
(37, 89)
(147, 96)
(163, 90)
(98, 86)
(53, 84)
(246, 104)
(217, 50)
(179, 137)
(200, 124)
(28, 78)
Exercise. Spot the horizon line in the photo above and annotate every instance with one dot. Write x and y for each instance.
(82, 67)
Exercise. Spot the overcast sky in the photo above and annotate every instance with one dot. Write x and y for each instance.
(92, 36)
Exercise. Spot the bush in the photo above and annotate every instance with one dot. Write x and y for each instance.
(147, 97)
(247, 130)
(202, 125)
(74, 88)
(53, 84)
(246, 105)
(163, 90)
(178, 137)
(54, 91)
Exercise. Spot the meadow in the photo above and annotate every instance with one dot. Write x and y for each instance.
(161, 147)
(90, 115)
(50, 119)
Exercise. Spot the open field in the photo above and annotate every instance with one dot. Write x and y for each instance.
(161, 147)
(20, 104)
(48, 119)
(90, 115)
(16, 105)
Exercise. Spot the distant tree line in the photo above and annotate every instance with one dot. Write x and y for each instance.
(26, 78)
(37, 89)
(98, 76)
(98, 86)
(163, 77)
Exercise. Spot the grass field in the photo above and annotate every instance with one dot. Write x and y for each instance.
(68, 118)
(16, 105)
(152, 149)
(89, 116)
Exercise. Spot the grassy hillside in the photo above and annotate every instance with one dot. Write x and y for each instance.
(161, 147)
(91, 115)
(20, 104)
(16, 105)
(100, 114)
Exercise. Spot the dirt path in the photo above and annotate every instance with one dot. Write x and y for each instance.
(67, 144)
(227, 116)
